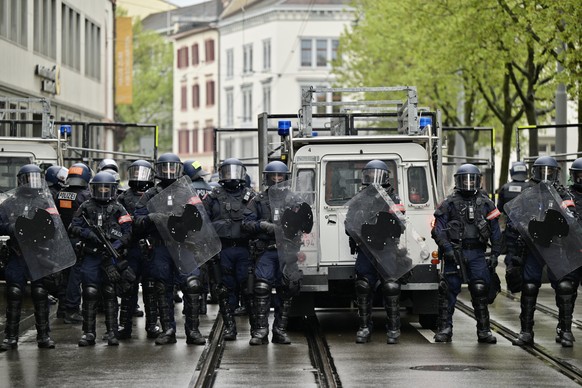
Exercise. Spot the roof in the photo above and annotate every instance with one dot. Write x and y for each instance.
(238, 6)
(194, 16)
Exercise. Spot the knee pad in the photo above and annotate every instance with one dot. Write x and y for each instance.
(362, 287)
(390, 289)
(90, 293)
(262, 288)
(193, 285)
(39, 293)
(14, 293)
(529, 289)
(565, 287)
(108, 291)
(478, 288)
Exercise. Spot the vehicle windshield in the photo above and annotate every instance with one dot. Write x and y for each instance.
(9, 167)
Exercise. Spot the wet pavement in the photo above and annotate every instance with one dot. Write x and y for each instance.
(416, 361)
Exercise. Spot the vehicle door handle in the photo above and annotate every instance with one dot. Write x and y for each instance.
(331, 219)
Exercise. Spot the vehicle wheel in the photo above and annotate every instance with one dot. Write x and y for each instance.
(428, 321)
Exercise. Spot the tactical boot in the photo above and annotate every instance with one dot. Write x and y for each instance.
(486, 337)
(45, 343)
(392, 337)
(227, 317)
(566, 338)
(150, 305)
(41, 316)
(112, 339)
(262, 305)
(230, 330)
(444, 335)
(153, 332)
(364, 332)
(565, 298)
(526, 318)
(203, 304)
(167, 337)
(280, 335)
(392, 307)
(194, 337)
(363, 335)
(73, 317)
(88, 339)
(137, 312)
(9, 343)
(479, 292)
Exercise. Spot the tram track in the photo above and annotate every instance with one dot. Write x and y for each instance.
(538, 351)
(326, 375)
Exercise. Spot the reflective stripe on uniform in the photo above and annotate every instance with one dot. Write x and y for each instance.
(568, 203)
(494, 214)
(194, 200)
(123, 219)
(52, 210)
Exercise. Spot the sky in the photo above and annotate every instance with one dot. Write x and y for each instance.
(185, 3)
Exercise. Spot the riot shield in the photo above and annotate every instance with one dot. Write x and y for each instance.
(184, 225)
(40, 232)
(293, 212)
(383, 232)
(550, 231)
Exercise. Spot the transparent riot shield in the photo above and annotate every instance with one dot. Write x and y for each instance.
(40, 232)
(184, 225)
(293, 212)
(383, 232)
(550, 231)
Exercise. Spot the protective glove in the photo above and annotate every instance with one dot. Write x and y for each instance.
(449, 253)
(93, 238)
(112, 273)
(267, 227)
(493, 260)
(156, 217)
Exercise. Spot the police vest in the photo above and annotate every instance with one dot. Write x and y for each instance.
(129, 199)
(232, 206)
(108, 216)
(472, 212)
(68, 201)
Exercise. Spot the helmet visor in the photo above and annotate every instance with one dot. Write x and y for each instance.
(31, 179)
(546, 173)
(139, 173)
(374, 176)
(169, 170)
(576, 177)
(468, 182)
(232, 172)
(103, 191)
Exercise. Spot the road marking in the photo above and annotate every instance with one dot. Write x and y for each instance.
(426, 333)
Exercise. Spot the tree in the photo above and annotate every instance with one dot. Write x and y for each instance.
(152, 88)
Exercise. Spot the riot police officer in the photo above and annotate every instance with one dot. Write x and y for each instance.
(140, 179)
(464, 223)
(17, 273)
(513, 245)
(367, 276)
(161, 270)
(97, 219)
(194, 170)
(225, 206)
(69, 199)
(546, 168)
(55, 177)
(258, 222)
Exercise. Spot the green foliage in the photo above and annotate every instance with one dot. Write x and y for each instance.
(152, 88)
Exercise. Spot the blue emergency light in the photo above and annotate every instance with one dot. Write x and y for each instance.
(66, 130)
(424, 121)
(283, 127)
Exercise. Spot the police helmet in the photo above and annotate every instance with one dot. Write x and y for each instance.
(30, 175)
(79, 175)
(231, 174)
(103, 186)
(108, 164)
(168, 167)
(56, 175)
(275, 172)
(468, 179)
(375, 172)
(194, 170)
(518, 171)
(576, 174)
(545, 168)
(140, 175)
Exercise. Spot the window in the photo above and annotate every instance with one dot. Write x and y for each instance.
(248, 58)
(229, 63)
(209, 136)
(343, 180)
(183, 98)
(183, 146)
(45, 27)
(13, 20)
(229, 107)
(70, 41)
(325, 51)
(195, 58)
(195, 96)
(182, 57)
(327, 97)
(195, 138)
(266, 98)
(92, 50)
(267, 54)
(209, 50)
(306, 185)
(417, 185)
(247, 107)
(209, 93)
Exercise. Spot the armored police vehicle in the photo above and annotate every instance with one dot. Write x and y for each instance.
(327, 152)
